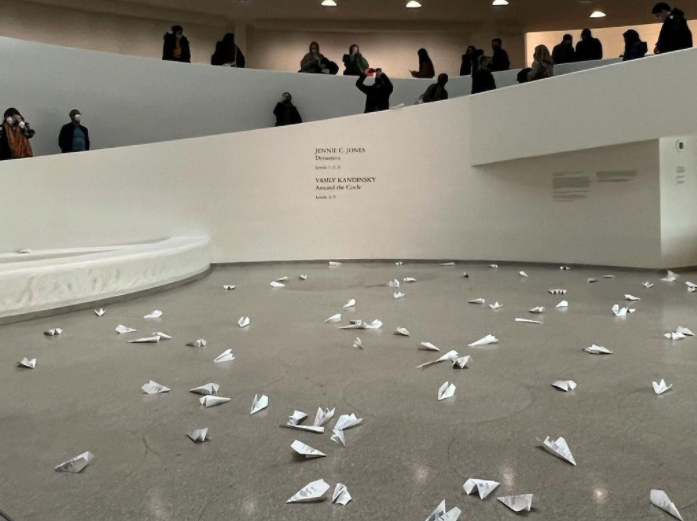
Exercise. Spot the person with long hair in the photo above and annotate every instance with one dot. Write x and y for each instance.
(354, 62)
(227, 54)
(426, 69)
(482, 79)
(633, 46)
(311, 61)
(470, 60)
(15, 134)
(542, 66)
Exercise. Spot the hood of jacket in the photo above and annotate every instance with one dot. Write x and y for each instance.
(677, 14)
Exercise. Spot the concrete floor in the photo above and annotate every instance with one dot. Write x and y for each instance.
(411, 450)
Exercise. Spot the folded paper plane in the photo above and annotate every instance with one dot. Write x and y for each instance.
(206, 390)
(275, 284)
(537, 310)
(153, 387)
(517, 503)
(608, 276)
(306, 451)
(199, 435)
(281, 279)
(528, 321)
(393, 283)
(661, 387)
(77, 464)
(308, 428)
(345, 421)
(225, 356)
(631, 298)
(334, 264)
(201, 342)
(323, 416)
(448, 264)
(442, 514)
(597, 350)
(592, 280)
(297, 417)
(401, 331)
(398, 263)
(333, 318)
(675, 335)
(341, 495)
(100, 312)
(259, 403)
(685, 331)
(398, 294)
(480, 301)
(562, 305)
(565, 385)
(244, 321)
(522, 274)
(351, 303)
(123, 329)
(314, 491)
(493, 266)
(660, 499)
(495, 306)
(621, 311)
(26, 362)
(564, 268)
(53, 332)
(559, 448)
(557, 291)
(163, 336)
(358, 344)
(409, 279)
(212, 401)
(303, 277)
(447, 390)
(155, 314)
(647, 285)
(487, 340)
(146, 340)
(482, 486)
(461, 362)
(450, 355)
(229, 287)
(360, 324)
(428, 346)
(670, 277)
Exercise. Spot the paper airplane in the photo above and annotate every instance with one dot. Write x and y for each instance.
(480, 301)
(522, 274)
(448, 264)
(275, 284)
(308, 428)
(323, 416)
(334, 318)
(358, 344)
(670, 277)
(409, 279)
(306, 451)
(562, 304)
(303, 277)
(259, 403)
(155, 314)
(447, 390)
(339, 437)
(53, 332)
(212, 401)
(631, 298)
(206, 390)
(401, 331)
(564, 268)
(565, 385)
(557, 291)
(393, 283)
(441, 514)
(244, 321)
(297, 417)
(597, 350)
(661, 387)
(560, 449)
(398, 263)
(201, 342)
(398, 294)
(660, 499)
(123, 329)
(690, 284)
(466, 275)
(29, 364)
(608, 276)
(450, 355)
(675, 336)
(225, 356)
(482, 486)
(163, 336)
(351, 303)
(334, 264)
(461, 363)
(493, 266)
(146, 340)
(592, 280)
(199, 435)
(76, 464)
(345, 421)
(229, 287)
(153, 387)
(528, 321)
(685, 331)
(341, 495)
(24, 251)
(314, 491)
(495, 306)
(647, 285)
(428, 346)
(99, 312)
(487, 340)
(360, 324)
(281, 279)
(537, 310)
(621, 312)
(517, 503)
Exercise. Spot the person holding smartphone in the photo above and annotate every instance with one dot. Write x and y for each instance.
(377, 95)
(15, 134)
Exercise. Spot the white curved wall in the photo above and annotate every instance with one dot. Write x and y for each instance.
(129, 100)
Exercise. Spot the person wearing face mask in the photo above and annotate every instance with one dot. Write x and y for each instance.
(15, 134)
(286, 113)
(176, 47)
(377, 95)
(355, 63)
(73, 136)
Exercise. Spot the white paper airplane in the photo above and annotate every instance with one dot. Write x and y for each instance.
(428, 346)
(621, 312)
(482, 486)
(685, 331)
(244, 321)
(358, 344)
(341, 495)
(675, 336)
(559, 448)
(592, 280)
(123, 329)
(314, 491)
(99, 312)
(441, 513)
(493, 266)
(225, 356)
(76, 464)
(661, 387)
(409, 279)
(631, 298)
(212, 401)
(25, 251)
(351, 303)
(345, 421)
(597, 350)
(259, 403)
(334, 264)
(146, 340)
(275, 284)
(339, 437)
(480, 301)
(306, 451)
(487, 340)
(690, 285)
(206, 390)
(448, 264)
(565, 385)
(495, 306)
(522, 274)
(199, 435)
(450, 355)
(401, 331)
(53, 332)
(393, 283)
(564, 268)
(398, 294)
(647, 285)
(229, 287)
(281, 279)
(537, 310)
(517, 503)
(334, 318)
(323, 416)
(163, 336)
(360, 324)
(670, 277)
(308, 428)
(297, 417)
(608, 276)
(29, 364)
(528, 321)
(201, 342)
(562, 305)
(155, 314)
(447, 390)
(660, 499)
(152, 387)
(557, 291)
(398, 263)
(461, 363)
(303, 277)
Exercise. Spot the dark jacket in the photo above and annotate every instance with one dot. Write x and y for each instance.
(563, 54)
(499, 61)
(470, 62)
(222, 55)
(435, 92)
(675, 33)
(311, 65)
(426, 70)
(590, 49)
(65, 138)
(171, 43)
(356, 67)
(482, 81)
(638, 50)
(286, 114)
(377, 95)
(5, 150)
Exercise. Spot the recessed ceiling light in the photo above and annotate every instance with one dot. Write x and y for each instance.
(329, 3)
(598, 14)
(500, 2)
(413, 5)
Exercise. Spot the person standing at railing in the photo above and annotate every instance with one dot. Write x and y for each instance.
(470, 60)
(74, 137)
(286, 113)
(482, 79)
(377, 95)
(176, 47)
(542, 66)
(589, 48)
(15, 134)
(564, 51)
(499, 58)
(227, 54)
(633, 46)
(354, 62)
(675, 32)
(426, 69)
(436, 92)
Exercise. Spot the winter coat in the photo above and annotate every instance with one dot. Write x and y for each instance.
(311, 65)
(470, 62)
(435, 92)
(675, 33)
(590, 49)
(540, 70)
(169, 46)
(638, 50)
(357, 67)
(563, 54)
(377, 95)
(286, 114)
(499, 61)
(65, 138)
(482, 81)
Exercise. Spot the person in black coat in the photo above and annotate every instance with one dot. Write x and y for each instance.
(633, 46)
(377, 95)
(482, 79)
(564, 51)
(286, 113)
(588, 48)
(227, 54)
(176, 47)
(499, 60)
(675, 33)
(470, 60)
(73, 136)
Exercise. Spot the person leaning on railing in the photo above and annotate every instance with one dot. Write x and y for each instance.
(15, 134)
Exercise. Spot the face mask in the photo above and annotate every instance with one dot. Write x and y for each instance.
(180, 36)
(77, 117)
(10, 120)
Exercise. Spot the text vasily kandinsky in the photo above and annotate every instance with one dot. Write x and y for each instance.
(331, 160)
